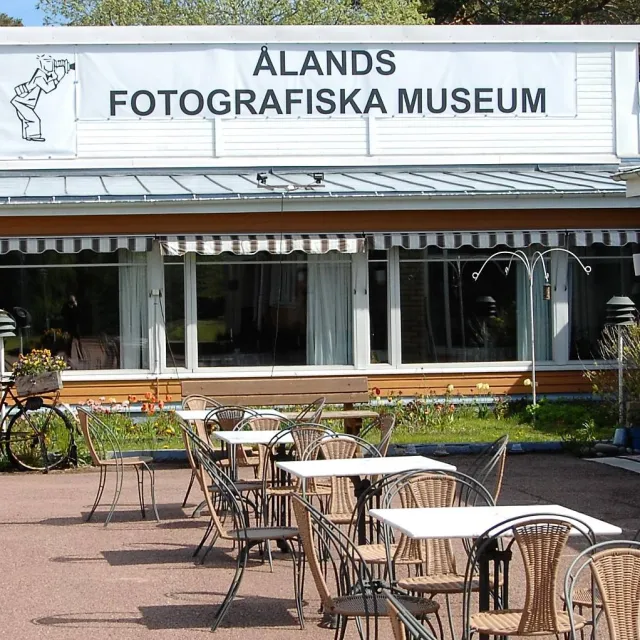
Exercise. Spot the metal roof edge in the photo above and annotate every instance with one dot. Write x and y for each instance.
(427, 34)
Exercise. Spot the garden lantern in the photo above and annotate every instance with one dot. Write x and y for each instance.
(621, 312)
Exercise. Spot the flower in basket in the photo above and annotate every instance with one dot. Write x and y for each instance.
(36, 362)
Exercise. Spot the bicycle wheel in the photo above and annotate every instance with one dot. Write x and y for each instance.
(40, 438)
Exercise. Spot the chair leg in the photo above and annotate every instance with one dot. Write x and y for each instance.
(101, 483)
(186, 497)
(233, 589)
(152, 478)
(197, 512)
(450, 616)
(205, 537)
(140, 490)
(116, 494)
(298, 587)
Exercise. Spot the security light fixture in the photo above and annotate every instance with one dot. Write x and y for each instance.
(318, 177)
(261, 178)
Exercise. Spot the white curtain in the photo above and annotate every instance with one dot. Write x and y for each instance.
(134, 322)
(329, 310)
(541, 316)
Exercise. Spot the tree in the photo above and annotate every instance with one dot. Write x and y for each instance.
(533, 11)
(227, 12)
(8, 21)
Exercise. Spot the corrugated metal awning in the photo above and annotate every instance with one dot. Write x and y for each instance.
(476, 239)
(247, 245)
(46, 187)
(99, 244)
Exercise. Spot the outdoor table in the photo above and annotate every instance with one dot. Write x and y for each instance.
(355, 468)
(235, 438)
(472, 522)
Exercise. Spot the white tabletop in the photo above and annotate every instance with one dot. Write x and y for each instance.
(361, 466)
(251, 437)
(471, 522)
(201, 414)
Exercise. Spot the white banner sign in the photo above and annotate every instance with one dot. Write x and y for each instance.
(143, 82)
(37, 103)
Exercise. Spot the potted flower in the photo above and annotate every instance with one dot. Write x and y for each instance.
(38, 372)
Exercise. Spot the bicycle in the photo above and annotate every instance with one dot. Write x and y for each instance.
(38, 435)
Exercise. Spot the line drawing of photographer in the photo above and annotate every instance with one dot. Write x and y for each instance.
(45, 78)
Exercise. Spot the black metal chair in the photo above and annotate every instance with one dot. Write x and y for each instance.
(233, 504)
(404, 624)
(344, 582)
(488, 467)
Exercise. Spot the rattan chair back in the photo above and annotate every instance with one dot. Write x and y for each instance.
(541, 540)
(488, 467)
(264, 423)
(197, 402)
(615, 578)
(385, 424)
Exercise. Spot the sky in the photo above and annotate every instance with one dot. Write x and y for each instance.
(23, 9)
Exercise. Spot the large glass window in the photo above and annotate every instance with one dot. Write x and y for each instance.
(267, 310)
(89, 307)
(447, 316)
(611, 275)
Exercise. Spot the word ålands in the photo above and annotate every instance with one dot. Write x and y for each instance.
(247, 102)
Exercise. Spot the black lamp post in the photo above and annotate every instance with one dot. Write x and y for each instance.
(621, 312)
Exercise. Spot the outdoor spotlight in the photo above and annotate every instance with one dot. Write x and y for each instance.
(318, 177)
(546, 291)
(262, 178)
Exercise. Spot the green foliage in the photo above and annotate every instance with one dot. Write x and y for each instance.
(581, 440)
(228, 12)
(8, 21)
(533, 11)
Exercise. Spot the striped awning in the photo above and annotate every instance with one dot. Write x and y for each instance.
(476, 239)
(251, 244)
(99, 244)
(608, 237)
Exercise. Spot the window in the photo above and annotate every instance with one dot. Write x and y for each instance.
(89, 307)
(611, 275)
(378, 306)
(447, 316)
(267, 310)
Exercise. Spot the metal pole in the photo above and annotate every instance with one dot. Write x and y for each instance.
(533, 339)
(620, 378)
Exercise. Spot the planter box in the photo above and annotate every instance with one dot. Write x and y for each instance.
(39, 384)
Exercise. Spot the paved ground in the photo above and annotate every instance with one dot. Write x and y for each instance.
(63, 578)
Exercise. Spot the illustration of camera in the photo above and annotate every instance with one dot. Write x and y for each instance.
(64, 64)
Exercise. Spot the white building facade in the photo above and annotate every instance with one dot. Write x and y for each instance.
(244, 202)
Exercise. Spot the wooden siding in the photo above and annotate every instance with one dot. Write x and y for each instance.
(76, 392)
(326, 221)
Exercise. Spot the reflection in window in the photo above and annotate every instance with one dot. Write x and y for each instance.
(378, 306)
(266, 310)
(91, 308)
(174, 311)
(447, 316)
(611, 275)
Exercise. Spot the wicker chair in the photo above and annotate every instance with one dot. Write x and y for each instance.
(433, 561)
(614, 587)
(241, 532)
(106, 454)
(312, 412)
(404, 624)
(541, 540)
(344, 582)
(341, 502)
(386, 425)
(195, 403)
(488, 467)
